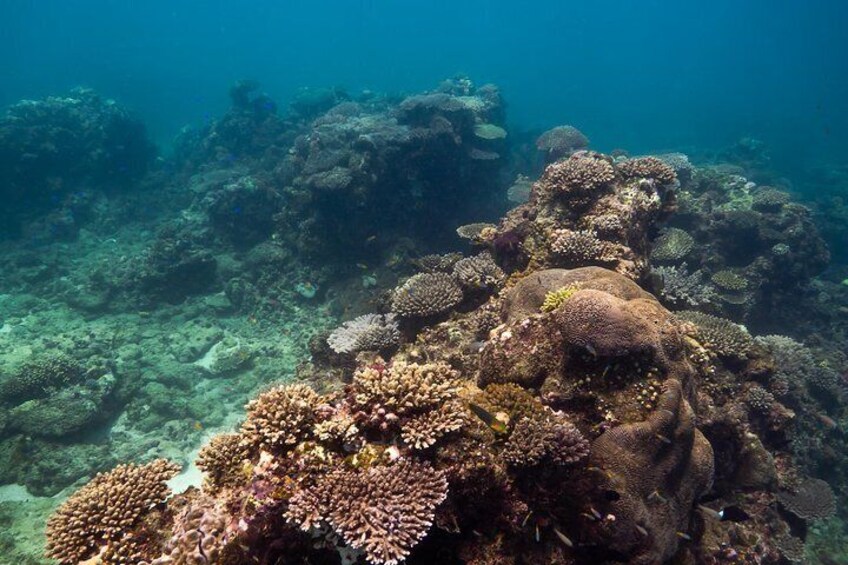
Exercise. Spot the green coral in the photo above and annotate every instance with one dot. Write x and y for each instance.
(556, 298)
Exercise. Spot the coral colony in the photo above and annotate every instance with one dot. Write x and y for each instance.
(598, 375)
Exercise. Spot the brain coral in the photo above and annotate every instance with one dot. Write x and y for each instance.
(99, 519)
(659, 467)
(383, 511)
(426, 294)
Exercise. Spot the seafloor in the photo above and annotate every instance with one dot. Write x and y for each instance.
(517, 350)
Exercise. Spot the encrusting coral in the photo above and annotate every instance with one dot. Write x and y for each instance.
(104, 518)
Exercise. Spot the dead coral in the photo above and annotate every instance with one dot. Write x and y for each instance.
(99, 518)
(383, 511)
(426, 294)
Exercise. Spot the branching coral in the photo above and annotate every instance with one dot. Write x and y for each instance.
(223, 460)
(479, 272)
(437, 263)
(383, 511)
(674, 244)
(544, 436)
(426, 294)
(647, 168)
(200, 535)
(729, 281)
(99, 518)
(280, 417)
(369, 332)
(404, 388)
(684, 289)
(723, 336)
(578, 247)
(580, 172)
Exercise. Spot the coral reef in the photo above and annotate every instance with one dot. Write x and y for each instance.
(105, 518)
(583, 210)
(426, 294)
(369, 332)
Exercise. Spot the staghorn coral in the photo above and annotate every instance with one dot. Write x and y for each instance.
(561, 141)
(426, 294)
(279, 418)
(479, 272)
(582, 172)
(99, 518)
(683, 289)
(812, 500)
(383, 511)
(369, 332)
(659, 467)
(223, 460)
(647, 168)
(672, 245)
(723, 336)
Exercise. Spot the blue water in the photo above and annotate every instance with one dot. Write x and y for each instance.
(645, 75)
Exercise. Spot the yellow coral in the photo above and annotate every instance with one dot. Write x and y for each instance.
(556, 298)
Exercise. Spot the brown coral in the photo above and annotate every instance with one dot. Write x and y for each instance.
(383, 511)
(561, 141)
(647, 168)
(659, 468)
(426, 294)
(424, 430)
(223, 460)
(280, 417)
(479, 272)
(99, 518)
(545, 436)
(812, 500)
(721, 335)
(405, 388)
(580, 172)
(576, 247)
(201, 532)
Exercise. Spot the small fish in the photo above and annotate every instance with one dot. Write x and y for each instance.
(362, 266)
(563, 538)
(657, 496)
(683, 536)
(526, 518)
(592, 351)
(595, 513)
(717, 514)
(538, 535)
(828, 422)
(663, 439)
(495, 423)
(371, 239)
(588, 516)
(641, 530)
(198, 426)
